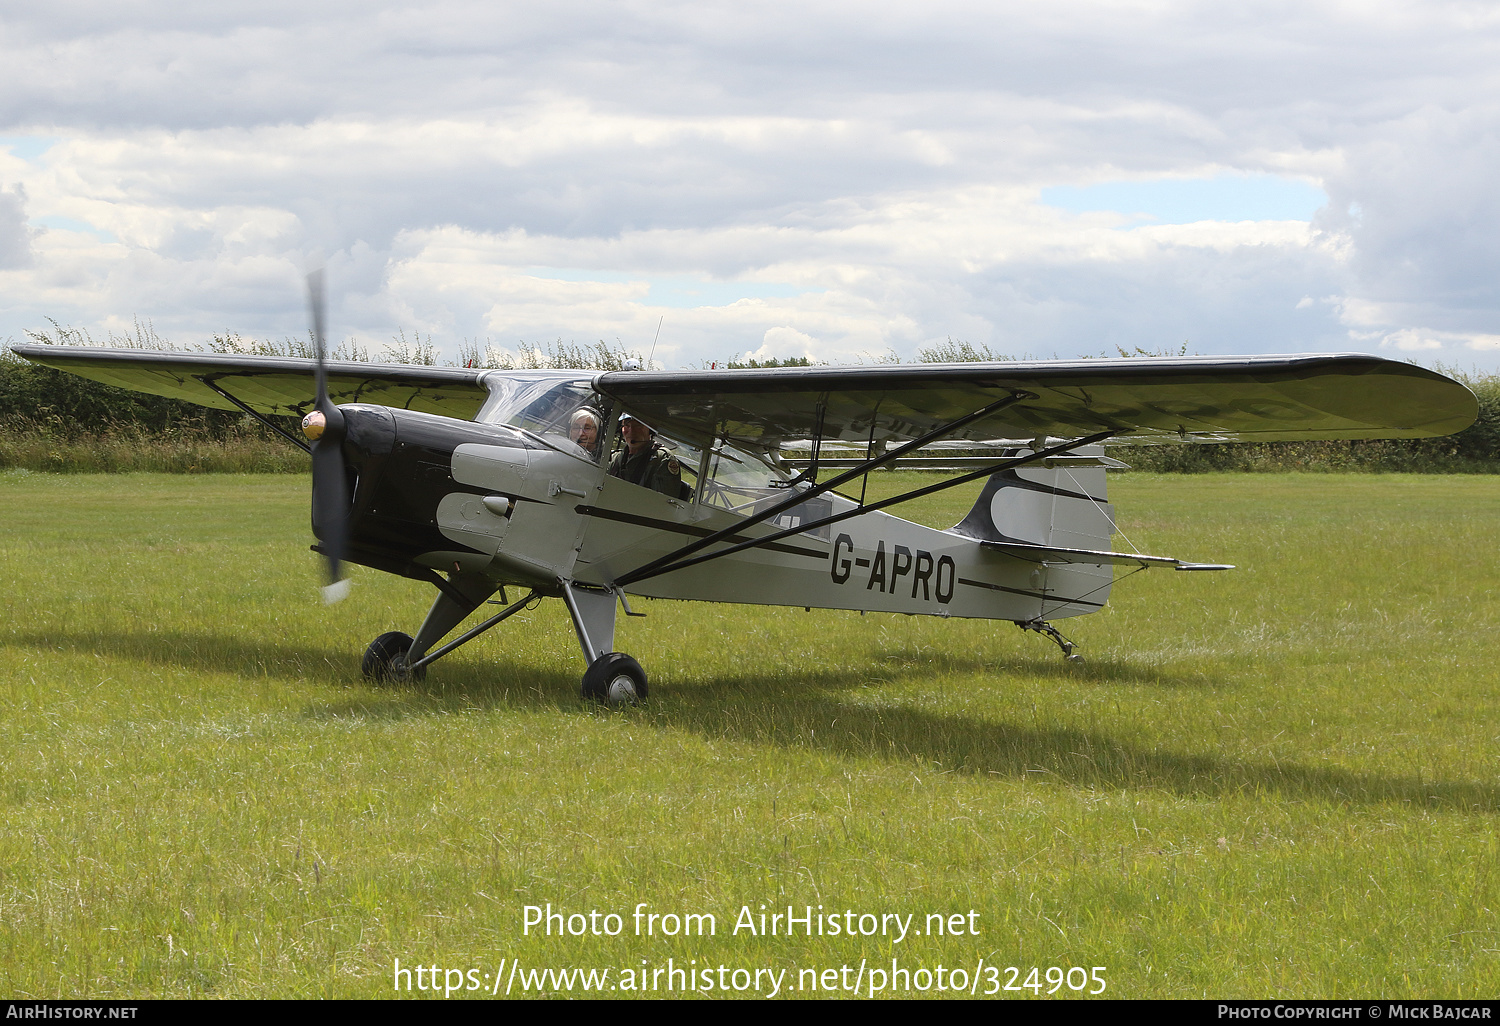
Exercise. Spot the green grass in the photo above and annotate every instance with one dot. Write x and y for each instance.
(1278, 781)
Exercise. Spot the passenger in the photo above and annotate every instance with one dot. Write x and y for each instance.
(646, 462)
(583, 429)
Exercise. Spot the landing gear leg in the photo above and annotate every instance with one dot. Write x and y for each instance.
(612, 677)
(1045, 628)
(447, 614)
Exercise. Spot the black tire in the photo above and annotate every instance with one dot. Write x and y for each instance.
(615, 679)
(385, 660)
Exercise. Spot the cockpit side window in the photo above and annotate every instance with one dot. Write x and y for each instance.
(739, 480)
(747, 482)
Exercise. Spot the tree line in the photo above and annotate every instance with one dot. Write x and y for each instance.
(51, 420)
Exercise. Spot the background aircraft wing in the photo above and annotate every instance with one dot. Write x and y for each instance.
(1205, 399)
(269, 384)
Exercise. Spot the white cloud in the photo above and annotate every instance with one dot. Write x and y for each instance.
(866, 175)
(784, 342)
(15, 233)
(1411, 340)
(1426, 339)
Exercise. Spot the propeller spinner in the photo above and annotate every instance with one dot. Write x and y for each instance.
(324, 427)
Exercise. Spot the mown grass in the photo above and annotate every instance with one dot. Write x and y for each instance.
(1278, 781)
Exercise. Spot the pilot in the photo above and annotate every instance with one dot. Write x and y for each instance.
(583, 429)
(646, 462)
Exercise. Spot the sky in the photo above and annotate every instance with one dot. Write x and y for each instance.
(851, 182)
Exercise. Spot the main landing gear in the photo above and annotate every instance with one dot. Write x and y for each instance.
(386, 660)
(1042, 627)
(613, 678)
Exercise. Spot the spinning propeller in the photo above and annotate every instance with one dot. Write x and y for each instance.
(324, 427)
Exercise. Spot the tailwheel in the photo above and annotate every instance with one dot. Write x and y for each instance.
(614, 679)
(1042, 627)
(386, 660)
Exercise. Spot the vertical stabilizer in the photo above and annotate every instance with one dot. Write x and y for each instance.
(1059, 502)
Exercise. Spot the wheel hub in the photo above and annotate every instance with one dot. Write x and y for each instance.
(621, 689)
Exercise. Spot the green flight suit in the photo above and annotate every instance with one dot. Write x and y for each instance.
(653, 467)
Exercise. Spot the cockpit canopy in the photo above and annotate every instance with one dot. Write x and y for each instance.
(542, 404)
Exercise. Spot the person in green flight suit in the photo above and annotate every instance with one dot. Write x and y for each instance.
(646, 462)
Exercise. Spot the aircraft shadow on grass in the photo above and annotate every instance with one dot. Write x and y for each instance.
(1098, 671)
(815, 719)
(460, 685)
(808, 713)
(224, 653)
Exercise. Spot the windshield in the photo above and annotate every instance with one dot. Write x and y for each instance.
(556, 408)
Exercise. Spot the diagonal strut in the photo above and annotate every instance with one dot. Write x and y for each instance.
(653, 568)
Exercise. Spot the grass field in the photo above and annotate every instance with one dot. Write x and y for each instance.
(1278, 781)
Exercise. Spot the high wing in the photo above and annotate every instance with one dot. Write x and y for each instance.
(1203, 399)
(269, 384)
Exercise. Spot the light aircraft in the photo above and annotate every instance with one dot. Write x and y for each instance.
(467, 479)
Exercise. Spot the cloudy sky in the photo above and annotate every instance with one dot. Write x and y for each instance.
(840, 180)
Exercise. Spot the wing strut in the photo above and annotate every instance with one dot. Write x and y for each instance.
(670, 560)
(810, 472)
(258, 416)
(1016, 461)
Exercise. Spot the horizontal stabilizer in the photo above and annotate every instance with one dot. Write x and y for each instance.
(1053, 554)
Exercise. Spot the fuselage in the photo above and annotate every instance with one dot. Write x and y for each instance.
(420, 484)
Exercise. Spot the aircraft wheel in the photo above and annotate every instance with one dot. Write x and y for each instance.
(615, 679)
(1075, 661)
(385, 660)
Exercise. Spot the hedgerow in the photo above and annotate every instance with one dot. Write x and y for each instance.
(54, 421)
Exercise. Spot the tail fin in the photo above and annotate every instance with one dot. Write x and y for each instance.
(1057, 503)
